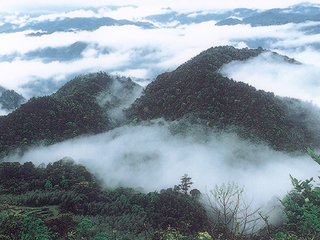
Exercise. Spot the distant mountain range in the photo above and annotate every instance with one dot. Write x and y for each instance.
(273, 17)
(195, 93)
(68, 24)
(296, 14)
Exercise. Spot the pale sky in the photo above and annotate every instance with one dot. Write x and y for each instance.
(177, 5)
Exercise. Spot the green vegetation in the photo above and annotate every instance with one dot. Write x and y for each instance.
(71, 112)
(198, 92)
(231, 214)
(38, 203)
(302, 209)
(195, 92)
(64, 201)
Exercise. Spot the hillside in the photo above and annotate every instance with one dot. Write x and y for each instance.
(65, 201)
(84, 105)
(196, 90)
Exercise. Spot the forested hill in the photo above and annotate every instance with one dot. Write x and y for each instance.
(65, 201)
(94, 103)
(82, 106)
(196, 90)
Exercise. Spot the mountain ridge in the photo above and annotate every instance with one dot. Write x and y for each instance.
(71, 112)
(196, 91)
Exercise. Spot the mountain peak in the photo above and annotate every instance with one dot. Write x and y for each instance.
(197, 91)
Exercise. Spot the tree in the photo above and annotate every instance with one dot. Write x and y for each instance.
(84, 229)
(302, 208)
(229, 210)
(48, 185)
(195, 193)
(34, 229)
(185, 183)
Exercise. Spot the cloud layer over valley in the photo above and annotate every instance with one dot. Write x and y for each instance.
(273, 73)
(155, 156)
(32, 57)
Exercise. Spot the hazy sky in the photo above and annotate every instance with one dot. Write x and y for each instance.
(177, 5)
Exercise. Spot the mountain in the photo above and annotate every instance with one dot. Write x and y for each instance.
(68, 24)
(9, 99)
(197, 91)
(50, 54)
(296, 14)
(84, 105)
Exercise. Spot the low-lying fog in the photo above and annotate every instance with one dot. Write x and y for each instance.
(154, 157)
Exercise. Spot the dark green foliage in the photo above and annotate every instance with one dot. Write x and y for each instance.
(63, 174)
(17, 226)
(49, 197)
(48, 185)
(73, 111)
(12, 226)
(302, 208)
(178, 211)
(198, 92)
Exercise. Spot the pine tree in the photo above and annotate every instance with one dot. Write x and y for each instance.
(185, 183)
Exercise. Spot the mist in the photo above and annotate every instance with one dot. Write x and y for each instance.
(273, 73)
(154, 156)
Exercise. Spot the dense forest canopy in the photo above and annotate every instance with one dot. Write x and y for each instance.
(198, 91)
(60, 197)
(71, 112)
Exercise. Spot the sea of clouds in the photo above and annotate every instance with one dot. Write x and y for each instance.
(144, 53)
(152, 157)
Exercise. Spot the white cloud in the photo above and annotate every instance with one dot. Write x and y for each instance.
(136, 73)
(151, 158)
(72, 14)
(305, 54)
(271, 73)
(132, 12)
(19, 42)
(17, 73)
(3, 112)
